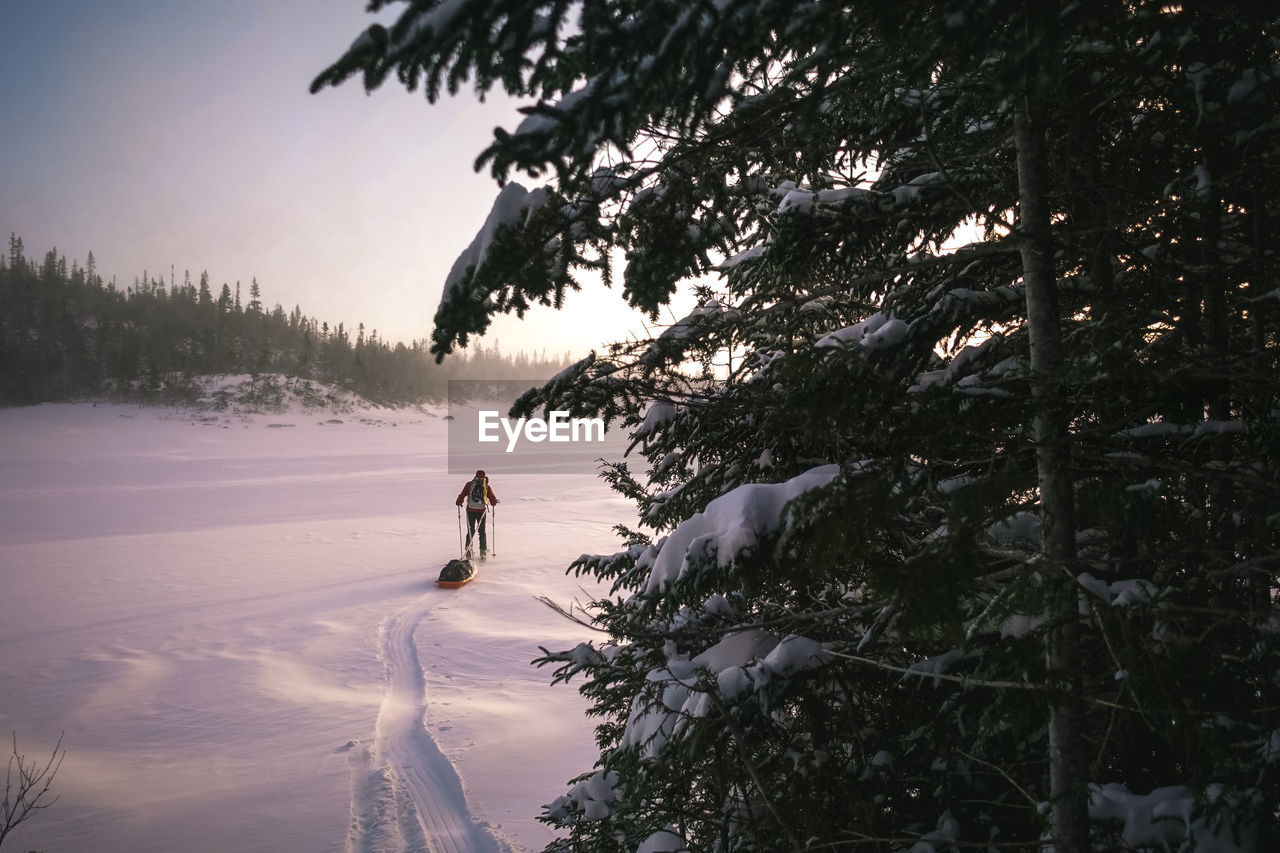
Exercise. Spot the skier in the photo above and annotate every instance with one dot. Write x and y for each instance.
(478, 495)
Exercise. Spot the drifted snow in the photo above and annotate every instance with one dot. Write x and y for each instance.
(232, 617)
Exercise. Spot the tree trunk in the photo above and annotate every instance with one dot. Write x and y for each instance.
(1067, 763)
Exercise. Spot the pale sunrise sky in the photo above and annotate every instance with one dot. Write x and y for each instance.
(180, 134)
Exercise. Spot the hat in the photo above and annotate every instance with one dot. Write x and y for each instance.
(480, 472)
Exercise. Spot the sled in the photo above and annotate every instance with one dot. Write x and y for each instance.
(456, 573)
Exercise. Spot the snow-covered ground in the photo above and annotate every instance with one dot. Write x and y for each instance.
(233, 620)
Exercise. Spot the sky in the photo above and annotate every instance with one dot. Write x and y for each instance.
(168, 136)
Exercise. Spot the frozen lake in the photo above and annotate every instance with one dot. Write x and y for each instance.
(233, 621)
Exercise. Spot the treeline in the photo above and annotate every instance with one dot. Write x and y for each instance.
(67, 333)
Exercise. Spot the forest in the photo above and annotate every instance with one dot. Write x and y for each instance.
(66, 333)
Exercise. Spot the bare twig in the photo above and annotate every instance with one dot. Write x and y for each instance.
(1021, 790)
(26, 787)
(963, 681)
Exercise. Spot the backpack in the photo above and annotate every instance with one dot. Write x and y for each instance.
(457, 571)
(477, 497)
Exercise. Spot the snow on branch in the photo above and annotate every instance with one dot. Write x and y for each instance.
(510, 209)
(1171, 818)
(671, 344)
(730, 525)
(740, 667)
(594, 798)
(876, 332)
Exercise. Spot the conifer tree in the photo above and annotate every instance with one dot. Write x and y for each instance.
(965, 530)
(16, 258)
(205, 294)
(255, 297)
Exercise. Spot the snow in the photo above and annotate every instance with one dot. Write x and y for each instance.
(545, 119)
(685, 328)
(1154, 429)
(513, 204)
(875, 332)
(659, 413)
(911, 190)
(1021, 624)
(1132, 591)
(1162, 429)
(1167, 817)
(1020, 529)
(232, 618)
(1243, 89)
(594, 798)
(1211, 427)
(1271, 749)
(802, 199)
(1204, 182)
(942, 838)
(421, 22)
(663, 841)
(745, 255)
(729, 525)
(936, 667)
(741, 666)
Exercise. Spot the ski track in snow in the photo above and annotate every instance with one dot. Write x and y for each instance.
(405, 794)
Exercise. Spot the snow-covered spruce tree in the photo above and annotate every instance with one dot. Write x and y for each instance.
(932, 538)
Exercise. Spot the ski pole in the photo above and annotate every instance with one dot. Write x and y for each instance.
(493, 527)
(461, 551)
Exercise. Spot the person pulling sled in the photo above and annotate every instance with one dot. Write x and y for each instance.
(478, 495)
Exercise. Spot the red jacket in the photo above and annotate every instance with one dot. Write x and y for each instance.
(462, 495)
